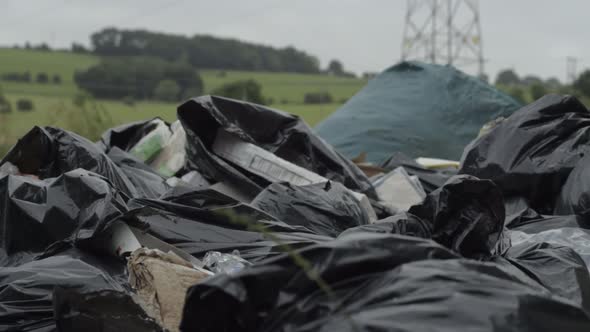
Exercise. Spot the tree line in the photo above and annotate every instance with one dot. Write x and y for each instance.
(202, 51)
(140, 78)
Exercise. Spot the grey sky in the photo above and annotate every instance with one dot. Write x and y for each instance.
(531, 36)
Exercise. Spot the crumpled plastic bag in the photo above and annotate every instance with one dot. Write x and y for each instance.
(326, 208)
(37, 213)
(50, 152)
(574, 197)
(532, 153)
(147, 182)
(285, 135)
(202, 221)
(465, 215)
(28, 290)
(377, 282)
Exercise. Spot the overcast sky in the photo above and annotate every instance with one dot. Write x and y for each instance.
(531, 36)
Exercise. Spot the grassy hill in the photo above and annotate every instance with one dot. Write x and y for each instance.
(287, 91)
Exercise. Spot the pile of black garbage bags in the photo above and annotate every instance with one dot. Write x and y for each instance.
(501, 244)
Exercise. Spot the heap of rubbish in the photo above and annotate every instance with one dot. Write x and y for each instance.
(239, 217)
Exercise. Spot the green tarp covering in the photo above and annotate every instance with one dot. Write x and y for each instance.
(416, 108)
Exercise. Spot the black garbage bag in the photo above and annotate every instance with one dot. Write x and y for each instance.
(27, 292)
(37, 213)
(100, 311)
(147, 182)
(518, 211)
(213, 222)
(575, 193)
(326, 209)
(377, 282)
(285, 135)
(465, 215)
(557, 268)
(541, 223)
(402, 223)
(125, 136)
(532, 153)
(431, 179)
(571, 231)
(49, 152)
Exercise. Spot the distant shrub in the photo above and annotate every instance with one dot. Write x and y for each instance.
(24, 105)
(317, 98)
(538, 90)
(518, 94)
(343, 100)
(42, 78)
(129, 101)
(191, 92)
(270, 101)
(5, 106)
(24, 77)
(118, 77)
(78, 48)
(56, 79)
(284, 101)
(80, 99)
(221, 74)
(248, 90)
(167, 90)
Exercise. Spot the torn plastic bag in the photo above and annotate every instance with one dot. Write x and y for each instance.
(531, 153)
(219, 224)
(149, 146)
(465, 215)
(416, 108)
(224, 263)
(146, 181)
(126, 136)
(398, 190)
(49, 152)
(28, 289)
(325, 209)
(36, 213)
(8, 169)
(100, 311)
(282, 134)
(429, 178)
(376, 282)
(173, 155)
(552, 263)
(575, 193)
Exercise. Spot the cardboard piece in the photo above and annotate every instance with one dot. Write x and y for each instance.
(161, 281)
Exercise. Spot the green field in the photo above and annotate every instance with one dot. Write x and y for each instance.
(289, 87)
(286, 90)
